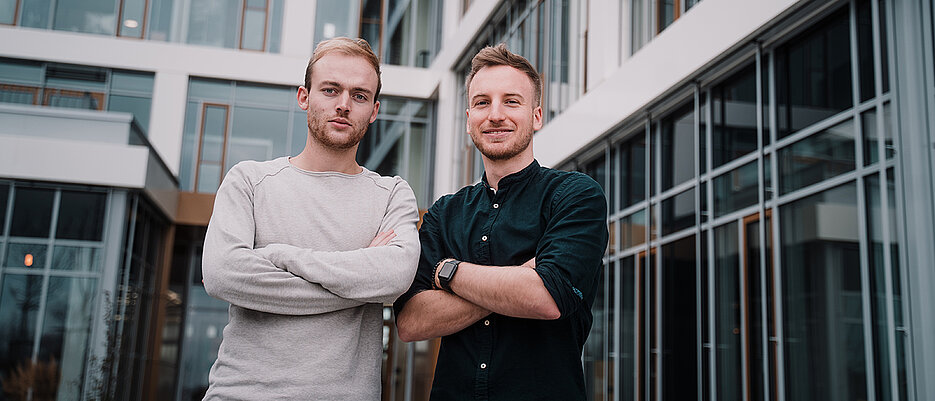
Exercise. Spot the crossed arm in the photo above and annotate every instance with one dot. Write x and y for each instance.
(288, 280)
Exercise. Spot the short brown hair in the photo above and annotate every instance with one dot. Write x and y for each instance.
(347, 46)
(499, 55)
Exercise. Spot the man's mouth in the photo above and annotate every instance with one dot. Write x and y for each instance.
(340, 122)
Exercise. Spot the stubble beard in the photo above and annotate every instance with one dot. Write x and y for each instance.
(318, 129)
(495, 153)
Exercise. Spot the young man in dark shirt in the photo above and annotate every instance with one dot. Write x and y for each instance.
(509, 266)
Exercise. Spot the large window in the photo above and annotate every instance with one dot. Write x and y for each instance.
(78, 87)
(756, 254)
(650, 17)
(237, 24)
(401, 32)
(51, 263)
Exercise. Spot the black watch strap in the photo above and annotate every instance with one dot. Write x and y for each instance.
(447, 272)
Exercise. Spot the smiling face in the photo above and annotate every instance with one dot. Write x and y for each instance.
(340, 101)
(502, 113)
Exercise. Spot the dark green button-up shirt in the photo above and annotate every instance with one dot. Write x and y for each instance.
(558, 217)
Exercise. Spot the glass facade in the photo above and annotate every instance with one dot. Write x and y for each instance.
(77, 87)
(756, 243)
(401, 32)
(648, 18)
(237, 24)
(229, 122)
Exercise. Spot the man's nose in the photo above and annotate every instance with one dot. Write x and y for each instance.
(343, 105)
(496, 112)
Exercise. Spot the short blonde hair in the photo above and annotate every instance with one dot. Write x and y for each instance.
(351, 47)
(499, 55)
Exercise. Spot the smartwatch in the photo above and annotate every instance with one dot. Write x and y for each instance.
(447, 272)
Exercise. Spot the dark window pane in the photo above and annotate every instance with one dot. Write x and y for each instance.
(818, 157)
(26, 256)
(884, 55)
(19, 307)
(764, 85)
(878, 310)
(868, 125)
(679, 320)
(678, 212)
(4, 198)
(733, 103)
(888, 146)
(754, 305)
(632, 171)
(665, 13)
(813, 75)
(594, 350)
(66, 329)
(736, 189)
(865, 49)
(821, 288)
(678, 147)
(727, 305)
(81, 216)
(627, 350)
(633, 230)
(703, 135)
(32, 212)
(597, 170)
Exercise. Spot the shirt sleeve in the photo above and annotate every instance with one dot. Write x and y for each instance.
(377, 274)
(569, 255)
(433, 250)
(234, 272)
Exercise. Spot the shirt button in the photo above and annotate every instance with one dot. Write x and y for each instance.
(486, 322)
(483, 366)
(484, 238)
(496, 205)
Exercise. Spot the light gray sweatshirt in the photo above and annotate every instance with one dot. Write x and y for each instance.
(288, 249)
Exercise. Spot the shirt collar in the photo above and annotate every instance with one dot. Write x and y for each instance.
(519, 176)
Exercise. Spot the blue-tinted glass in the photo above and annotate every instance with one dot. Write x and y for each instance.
(32, 212)
(736, 189)
(89, 16)
(20, 71)
(133, 13)
(336, 18)
(213, 22)
(818, 157)
(878, 310)
(868, 126)
(214, 130)
(888, 146)
(256, 134)
(210, 90)
(678, 212)
(299, 132)
(203, 331)
(66, 330)
(81, 78)
(35, 13)
(254, 29)
(19, 307)
(76, 258)
(734, 130)
(400, 40)
(81, 216)
(275, 29)
(823, 321)
(209, 178)
(26, 256)
(813, 75)
(419, 158)
(189, 147)
(268, 96)
(139, 107)
(131, 81)
(8, 12)
(160, 20)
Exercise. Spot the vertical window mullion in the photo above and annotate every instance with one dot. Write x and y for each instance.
(40, 311)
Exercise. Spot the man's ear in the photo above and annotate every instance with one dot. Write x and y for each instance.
(301, 96)
(376, 109)
(537, 118)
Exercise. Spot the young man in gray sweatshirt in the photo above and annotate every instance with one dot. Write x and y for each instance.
(307, 249)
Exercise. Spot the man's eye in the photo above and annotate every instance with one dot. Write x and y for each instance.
(480, 103)
(360, 97)
(329, 91)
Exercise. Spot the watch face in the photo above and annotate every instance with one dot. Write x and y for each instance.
(446, 270)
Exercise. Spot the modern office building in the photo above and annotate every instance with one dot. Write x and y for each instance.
(768, 167)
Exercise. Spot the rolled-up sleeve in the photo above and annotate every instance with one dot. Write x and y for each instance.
(569, 255)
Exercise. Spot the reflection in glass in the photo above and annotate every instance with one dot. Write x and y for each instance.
(89, 16)
(752, 295)
(626, 351)
(203, 332)
(213, 23)
(678, 212)
(138, 106)
(76, 258)
(633, 229)
(160, 21)
(133, 15)
(679, 320)
(597, 170)
(4, 197)
(254, 28)
(19, 306)
(8, 12)
(632, 171)
(727, 313)
(813, 75)
(678, 147)
(32, 212)
(736, 189)
(35, 14)
(868, 125)
(888, 145)
(594, 352)
(733, 107)
(26, 256)
(81, 215)
(256, 134)
(337, 18)
(817, 158)
(822, 311)
(65, 331)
